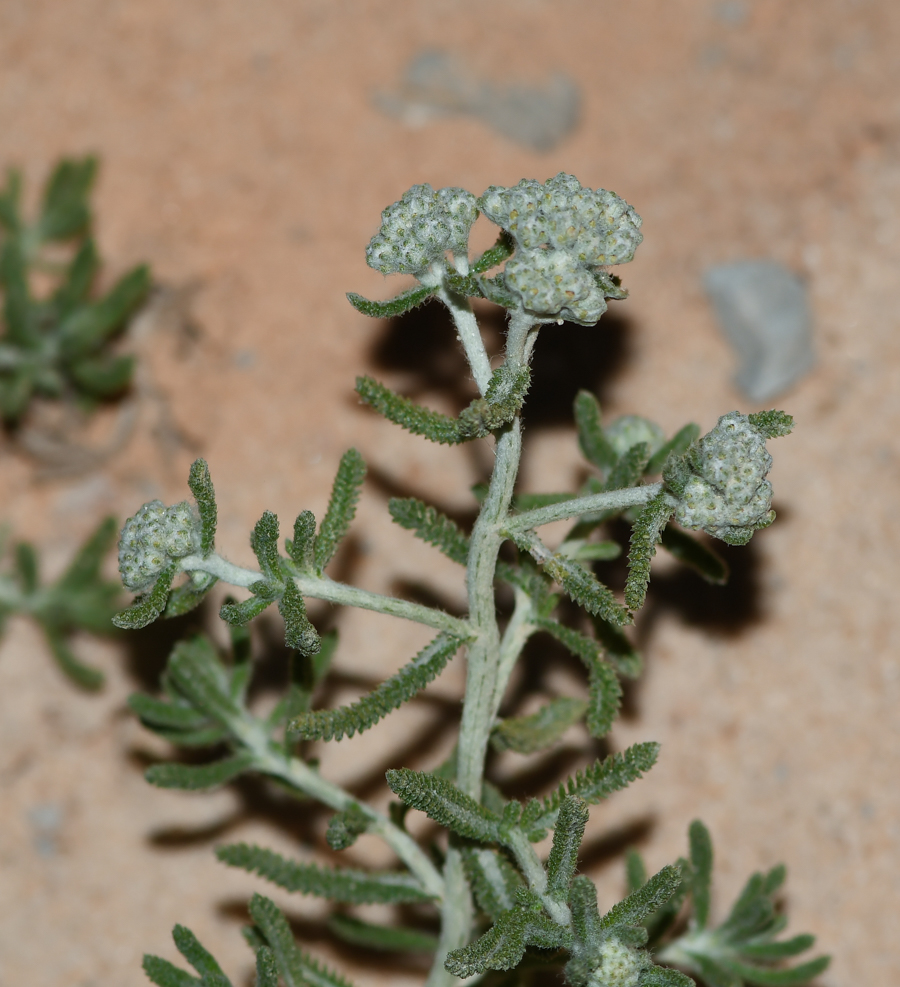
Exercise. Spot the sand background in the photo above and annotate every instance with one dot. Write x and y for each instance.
(244, 157)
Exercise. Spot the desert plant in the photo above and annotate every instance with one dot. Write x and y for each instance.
(81, 599)
(500, 906)
(58, 345)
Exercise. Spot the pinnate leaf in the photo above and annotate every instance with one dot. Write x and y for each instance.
(341, 508)
(445, 804)
(429, 524)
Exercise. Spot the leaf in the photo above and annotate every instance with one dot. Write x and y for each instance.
(645, 901)
(618, 650)
(659, 976)
(344, 827)
(302, 546)
(382, 937)
(200, 482)
(187, 597)
(264, 542)
(495, 255)
(195, 670)
(102, 376)
(778, 950)
(146, 609)
(85, 566)
(591, 438)
(194, 777)
(394, 306)
(585, 589)
(242, 613)
(79, 278)
(629, 468)
(676, 446)
(494, 880)
(605, 691)
(567, 837)
(299, 633)
(772, 424)
(409, 415)
(690, 551)
(165, 974)
(701, 855)
(334, 724)
(429, 524)
(353, 887)
(503, 946)
(593, 784)
(787, 977)
(76, 670)
(297, 969)
(159, 713)
(87, 328)
(445, 804)
(635, 870)
(341, 507)
(645, 533)
(27, 568)
(199, 957)
(266, 968)
(540, 730)
(65, 210)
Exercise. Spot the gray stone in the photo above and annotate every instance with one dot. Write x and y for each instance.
(763, 310)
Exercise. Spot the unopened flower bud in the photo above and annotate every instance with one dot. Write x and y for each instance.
(155, 537)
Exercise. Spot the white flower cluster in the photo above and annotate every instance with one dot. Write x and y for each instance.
(420, 228)
(564, 235)
(728, 495)
(619, 966)
(153, 538)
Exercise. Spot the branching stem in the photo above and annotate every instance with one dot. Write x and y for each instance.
(323, 588)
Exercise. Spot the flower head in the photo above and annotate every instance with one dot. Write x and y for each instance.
(153, 539)
(721, 482)
(565, 234)
(421, 228)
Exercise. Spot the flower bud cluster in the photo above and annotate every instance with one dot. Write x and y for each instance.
(564, 235)
(155, 537)
(420, 228)
(725, 491)
(619, 966)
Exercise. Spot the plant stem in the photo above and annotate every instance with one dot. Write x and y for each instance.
(301, 776)
(591, 504)
(470, 336)
(323, 588)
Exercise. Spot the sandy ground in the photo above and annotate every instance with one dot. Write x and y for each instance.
(244, 154)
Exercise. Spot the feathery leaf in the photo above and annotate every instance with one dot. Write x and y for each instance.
(299, 633)
(382, 937)
(341, 507)
(200, 482)
(409, 415)
(146, 609)
(297, 969)
(194, 777)
(445, 804)
(645, 533)
(392, 307)
(302, 547)
(197, 955)
(353, 887)
(584, 588)
(333, 724)
(567, 837)
(701, 857)
(540, 730)
(591, 438)
(346, 826)
(429, 524)
(690, 551)
(495, 255)
(593, 784)
(772, 424)
(646, 900)
(264, 542)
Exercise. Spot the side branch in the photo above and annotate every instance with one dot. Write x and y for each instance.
(322, 588)
(592, 504)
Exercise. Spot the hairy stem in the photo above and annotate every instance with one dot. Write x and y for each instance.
(323, 588)
(591, 504)
(470, 336)
(299, 775)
